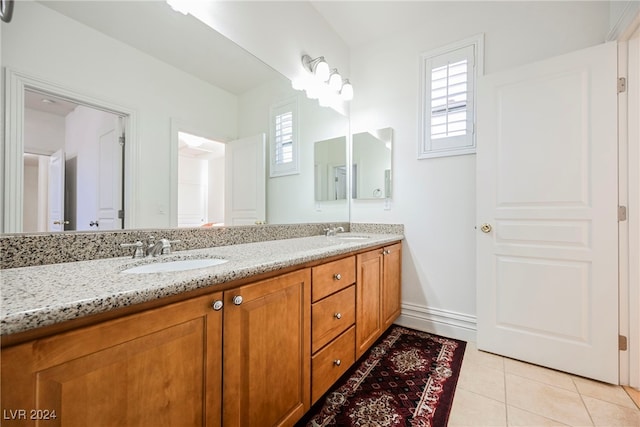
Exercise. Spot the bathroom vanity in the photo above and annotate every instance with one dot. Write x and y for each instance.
(254, 341)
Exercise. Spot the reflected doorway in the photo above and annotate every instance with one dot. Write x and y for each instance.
(73, 165)
(201, 181)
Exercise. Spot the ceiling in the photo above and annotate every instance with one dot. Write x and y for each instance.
(48, 104)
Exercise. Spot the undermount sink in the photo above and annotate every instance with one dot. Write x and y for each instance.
(171, 266)
(351, 237)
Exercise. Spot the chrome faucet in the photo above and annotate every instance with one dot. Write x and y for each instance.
(332, 231)
(153, 248)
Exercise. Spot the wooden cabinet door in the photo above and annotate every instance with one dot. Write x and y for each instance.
(156, 368)
(368, 299)
(266, 353)
(391, 285)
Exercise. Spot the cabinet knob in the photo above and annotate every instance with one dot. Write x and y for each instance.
(217, 305)
(338, 316)
(337, 276)
(386, 252)
(337, 362)
(237, 300)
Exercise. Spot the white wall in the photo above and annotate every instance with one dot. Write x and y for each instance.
(435, 198)
(50, 46)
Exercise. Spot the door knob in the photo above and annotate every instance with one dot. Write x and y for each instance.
(485, 228)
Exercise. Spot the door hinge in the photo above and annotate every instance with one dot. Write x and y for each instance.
(622, 84)
(121, 140)
(622, 343)
(121, 214)
(622, 213)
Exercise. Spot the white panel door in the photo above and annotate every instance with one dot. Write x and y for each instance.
(245, 181)
(547, 185)
(56, 219)
(109, 177)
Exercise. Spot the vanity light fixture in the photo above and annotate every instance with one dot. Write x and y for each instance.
(323, 83)
(347, 90)
(318, 67)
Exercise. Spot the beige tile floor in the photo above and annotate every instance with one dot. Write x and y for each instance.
(497, 391)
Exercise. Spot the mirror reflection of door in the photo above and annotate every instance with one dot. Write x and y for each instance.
(201, 181)
(73, 175)
(340, 182)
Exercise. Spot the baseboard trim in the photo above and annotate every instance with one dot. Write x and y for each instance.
(437, 321)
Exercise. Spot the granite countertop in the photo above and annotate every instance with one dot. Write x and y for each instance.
(38, 296)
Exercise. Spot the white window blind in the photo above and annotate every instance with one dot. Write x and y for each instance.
(448, 78)
(284, 138)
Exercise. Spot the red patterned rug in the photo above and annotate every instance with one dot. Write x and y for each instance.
(408, 378)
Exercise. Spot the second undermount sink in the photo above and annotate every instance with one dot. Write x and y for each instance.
(351, 237)
(171, 266)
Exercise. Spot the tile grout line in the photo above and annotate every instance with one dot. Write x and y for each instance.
(583, 402)
(506, 405)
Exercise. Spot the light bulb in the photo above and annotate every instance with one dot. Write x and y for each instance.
(335, 81)
(347, 91)
(321, 70)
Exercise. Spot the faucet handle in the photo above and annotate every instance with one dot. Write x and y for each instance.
(139, 252)
(166, 245)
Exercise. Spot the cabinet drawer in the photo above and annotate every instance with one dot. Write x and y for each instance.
(331, 362)
(331, 277)
(332, 316)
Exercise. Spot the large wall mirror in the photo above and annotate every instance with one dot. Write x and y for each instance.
(371, 156)
(136, 120)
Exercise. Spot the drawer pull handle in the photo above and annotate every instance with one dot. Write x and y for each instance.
(337, 276)
(237, 300)
(337, 362)
(217, 305)
(338, 316)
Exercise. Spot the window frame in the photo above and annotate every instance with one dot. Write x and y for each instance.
(289, 168)
(450, 145)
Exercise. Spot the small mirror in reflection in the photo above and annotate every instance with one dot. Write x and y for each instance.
(371, 178)
(330, 169)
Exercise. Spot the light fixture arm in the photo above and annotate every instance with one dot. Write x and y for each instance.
(6, 10)
(318, 66)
